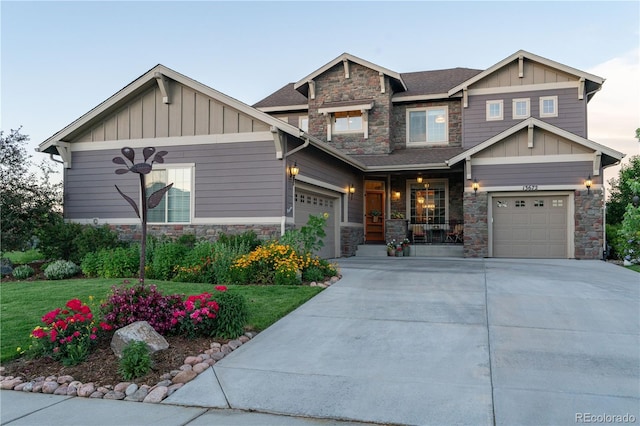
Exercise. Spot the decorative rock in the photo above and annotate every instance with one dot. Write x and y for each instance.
(76, 383)
(61, 390)
(50, 387)
(164, 383)
(86, 390)
(65, 379)
(204, 357)
(114, 395)
(200, 367)
(131, 389)
(174, 373)
(186, 367)
(138, 395)
(174, 387)
(72, 391)
(243, 339)
(217, 356)
(184, 377)
(210, 362)
(156, 395)
(334, 280)
(214, 345)
(250, 334)
(50, 379)
(96, 395)
(10, 383)
(166, 376)
(121, 387)
(28, 387)
(313, 284)
(103, 389)
(225, 349)
(38, 387)
(234, 344)
(191, 360)
(137, 331)
(20, 387)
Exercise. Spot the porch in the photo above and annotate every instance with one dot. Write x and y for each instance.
(417, 250)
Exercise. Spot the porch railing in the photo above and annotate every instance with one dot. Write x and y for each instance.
(448, 232)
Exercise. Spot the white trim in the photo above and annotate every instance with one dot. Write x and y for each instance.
(105, 221)
(514, 108)
(555, 106)
(426, 110)
(414, 98)
(319, 184)
(283, 108)
(192, 194)
(532, 159)
(300, 118)
(498, 117)
(174, 141)
(523, 88)
(236, 220)
(346, 108)
(541, 188)
(570, 215)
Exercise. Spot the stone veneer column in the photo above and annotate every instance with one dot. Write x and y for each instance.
(476, 229)
(395, 229)
(350, 238)
(588, 237)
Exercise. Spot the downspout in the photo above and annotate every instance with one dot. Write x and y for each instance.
(54, 160)
(306, 143)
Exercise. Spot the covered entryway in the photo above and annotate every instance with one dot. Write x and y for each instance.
(309, 202)
(530, 226)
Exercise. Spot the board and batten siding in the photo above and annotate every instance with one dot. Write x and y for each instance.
(189, 113)
(533, 73)
(516, 175)
(231, 180)
(572, 115)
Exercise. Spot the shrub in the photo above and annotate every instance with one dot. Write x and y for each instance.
(248, 239)
(211, 262)
(93, 239)
(23, 272)
(309, 237)
(57, 240)
(197, 317)
(126, 305)
(165, 260)
(136, 361)
(187, 240)
(314, 273)
(119, 262)
(91, 265)
(68, 333)
(60, 270)
(232, 314)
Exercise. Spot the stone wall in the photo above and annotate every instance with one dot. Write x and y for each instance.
(350, 238)
(399, 122)
(476, 230)
(395, 229)
(588, 237)
(204, 232)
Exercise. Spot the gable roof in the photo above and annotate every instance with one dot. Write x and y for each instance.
(617, 156)
(284, 99)
(438, 82)
(303, 84)
(548, 62)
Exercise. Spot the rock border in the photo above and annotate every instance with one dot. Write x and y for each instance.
(126, 391)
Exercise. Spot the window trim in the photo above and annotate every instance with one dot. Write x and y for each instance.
(191, 167)
(436, 181)
(555, 104)
(527, 101)
(490, 103)
(300, 119)
(426, 142)
(363, 122)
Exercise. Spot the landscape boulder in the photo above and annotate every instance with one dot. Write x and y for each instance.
(139, 331)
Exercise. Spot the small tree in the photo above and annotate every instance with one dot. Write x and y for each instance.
(621, 192)
(630, 231)
(28, 201)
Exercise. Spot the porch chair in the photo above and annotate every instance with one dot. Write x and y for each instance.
(455, 234)
(419, 234)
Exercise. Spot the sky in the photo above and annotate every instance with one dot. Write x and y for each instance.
(61, 59)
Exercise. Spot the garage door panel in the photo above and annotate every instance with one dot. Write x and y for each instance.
(309, 203)
(530, 226)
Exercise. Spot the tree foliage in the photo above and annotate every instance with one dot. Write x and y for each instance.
(621, 191)
(28, 200)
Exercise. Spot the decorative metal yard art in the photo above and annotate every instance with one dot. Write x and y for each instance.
(153, 200)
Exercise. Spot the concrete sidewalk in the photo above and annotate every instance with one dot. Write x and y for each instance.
(415, 341)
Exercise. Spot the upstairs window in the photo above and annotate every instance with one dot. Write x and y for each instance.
(175, 206)
(494, 110)
(427, 126)
(347, 121)
(549, 106)
(521, 108)
(303, 123)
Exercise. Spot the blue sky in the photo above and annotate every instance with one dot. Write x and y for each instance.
(60, 59)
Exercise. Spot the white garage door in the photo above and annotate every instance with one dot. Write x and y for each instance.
(311, 203)
(530, 226)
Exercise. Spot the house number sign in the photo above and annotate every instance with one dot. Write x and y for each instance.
(529, 187)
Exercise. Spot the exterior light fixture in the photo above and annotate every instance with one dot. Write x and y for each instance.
(419, 179)
(588, 183)
(293, 171)
(396, 195)
(352, 190)
(475, 185)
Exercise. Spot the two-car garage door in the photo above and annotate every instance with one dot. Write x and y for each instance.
(313, 203)
(530, 226)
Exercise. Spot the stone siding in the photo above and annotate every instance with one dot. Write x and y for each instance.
(203, 232)
(588, 237)
(399, 122)
(476, 230)
(350, 238)
(395, 229)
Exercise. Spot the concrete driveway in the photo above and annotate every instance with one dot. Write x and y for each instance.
(447, 341)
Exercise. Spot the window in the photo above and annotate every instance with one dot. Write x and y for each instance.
(427, 126)
(549, 106)
(303, 123)
(175, 206)
(521, 203)
(347, 121)
(429, 202)
(494, 110)
(521, 108)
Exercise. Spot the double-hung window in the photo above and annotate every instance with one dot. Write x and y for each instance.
(494, 110)
(426, 126)
(521, 108)
(549, 106)
(347, 121)
(303, 123)
(175, 206)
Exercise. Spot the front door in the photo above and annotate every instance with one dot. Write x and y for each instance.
(374, 212)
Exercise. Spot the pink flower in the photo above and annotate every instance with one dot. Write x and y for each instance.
(76, 334)
(93, 337)
(74, 304)
(221, 288)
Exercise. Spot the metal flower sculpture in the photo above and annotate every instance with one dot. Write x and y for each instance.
(147, 203)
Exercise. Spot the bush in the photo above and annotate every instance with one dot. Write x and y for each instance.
(211, 262)
(197, 317)
(166, 259)
(140, 302)
(247, 239)
(187, 240)
(65, 240)
(93, 239)
(614, 241)
(136, 361)
(314, 273)
(232, 315)
(60, 270)
(23, 272)
(119, 263)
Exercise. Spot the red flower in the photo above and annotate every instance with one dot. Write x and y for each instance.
(221, 288)
(50, 317)
(105, 326)
(93, 337)
(74, 304)
(61, 324)
(54, 335)
(38, 333)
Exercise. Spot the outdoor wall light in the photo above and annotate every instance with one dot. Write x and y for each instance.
(352, 190)
(396, 195)
(588, 183)
(419, 179)
(293, 171)
(475, 185)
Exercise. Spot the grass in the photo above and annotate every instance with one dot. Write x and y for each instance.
(634, 268)
(22, 257)
(22, 304)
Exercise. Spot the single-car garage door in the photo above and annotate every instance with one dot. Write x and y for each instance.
(530, 226)
(311, 203)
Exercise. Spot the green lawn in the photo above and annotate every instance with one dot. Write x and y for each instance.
(22, 257)
(22, 304)
(634, 268)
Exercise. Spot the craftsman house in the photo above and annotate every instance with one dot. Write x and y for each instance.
(486, 163)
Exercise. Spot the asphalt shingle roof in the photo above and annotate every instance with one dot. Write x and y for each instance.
(412, 156)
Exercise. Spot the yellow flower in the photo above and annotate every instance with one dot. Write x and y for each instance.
(18, 349)
(325, 215)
